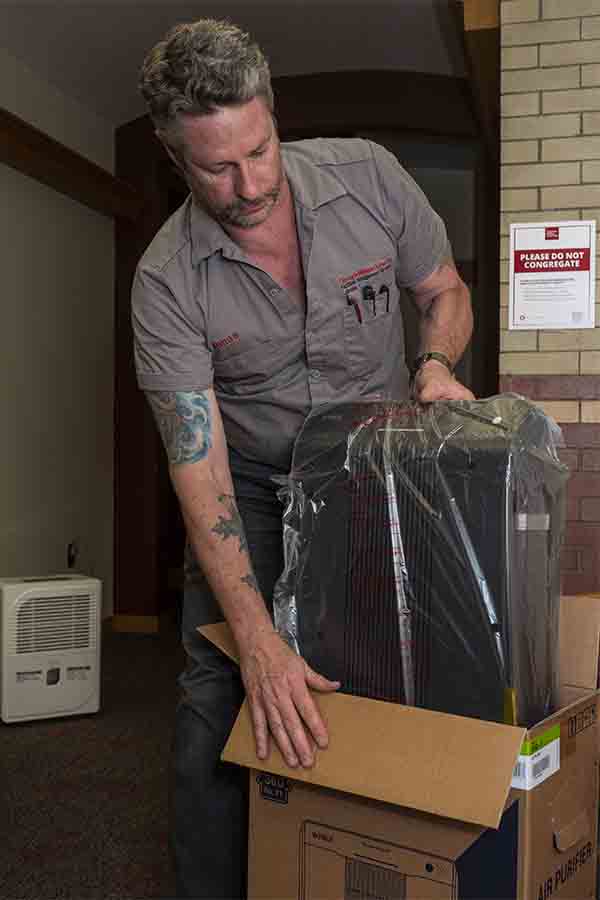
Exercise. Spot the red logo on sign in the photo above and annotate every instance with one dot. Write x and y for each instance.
(552, 233)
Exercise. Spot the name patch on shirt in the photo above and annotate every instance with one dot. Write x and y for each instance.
(227, 341)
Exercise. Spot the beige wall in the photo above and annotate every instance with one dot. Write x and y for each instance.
(24, 94)
(551, 161)
(550, 130)
(57, 348)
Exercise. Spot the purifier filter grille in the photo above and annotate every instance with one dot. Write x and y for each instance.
(42, 624)
(365, 881)
(373, 644)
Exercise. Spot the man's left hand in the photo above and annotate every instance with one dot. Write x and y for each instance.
(434, 382)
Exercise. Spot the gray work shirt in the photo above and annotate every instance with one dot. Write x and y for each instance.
(205, 316)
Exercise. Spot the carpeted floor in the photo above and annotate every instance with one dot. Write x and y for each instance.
(83, 801)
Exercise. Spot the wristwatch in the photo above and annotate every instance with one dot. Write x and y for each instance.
(425, 357)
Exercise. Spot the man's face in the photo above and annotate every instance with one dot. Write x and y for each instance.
(232, 163)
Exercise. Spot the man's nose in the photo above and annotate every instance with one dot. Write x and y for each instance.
(246, 184)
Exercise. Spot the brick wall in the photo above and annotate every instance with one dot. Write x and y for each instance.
(550, 145)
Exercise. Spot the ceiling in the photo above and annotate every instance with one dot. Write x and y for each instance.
(92, 51)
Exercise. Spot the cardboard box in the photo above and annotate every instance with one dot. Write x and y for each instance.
(581, 670)
(579, 646)
(410, 803)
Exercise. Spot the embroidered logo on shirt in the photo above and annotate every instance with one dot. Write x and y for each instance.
(226, 341)
(355, 278)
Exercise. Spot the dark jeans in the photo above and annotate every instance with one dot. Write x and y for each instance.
(209, 824)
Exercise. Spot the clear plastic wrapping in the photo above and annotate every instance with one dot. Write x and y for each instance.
(422, 550)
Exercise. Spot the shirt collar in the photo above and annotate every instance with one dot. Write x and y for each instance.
(206, 235)
(312, 186)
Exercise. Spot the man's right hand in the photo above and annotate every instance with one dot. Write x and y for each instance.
(278, 684)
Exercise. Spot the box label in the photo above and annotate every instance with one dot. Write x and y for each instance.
(273, 787)
(538, 760)
(582, 721)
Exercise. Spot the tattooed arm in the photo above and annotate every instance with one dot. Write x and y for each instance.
(275, 678)
(190, 426)
(446, 323)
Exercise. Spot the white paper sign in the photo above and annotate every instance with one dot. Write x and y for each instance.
(552, 275)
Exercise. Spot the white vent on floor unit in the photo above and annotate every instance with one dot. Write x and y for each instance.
(50, 644)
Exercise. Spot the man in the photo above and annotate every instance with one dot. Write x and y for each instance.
(273, 289)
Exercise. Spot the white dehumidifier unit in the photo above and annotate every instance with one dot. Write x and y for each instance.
(50, 631)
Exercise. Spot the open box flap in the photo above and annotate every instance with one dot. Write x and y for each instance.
(580, 640)
(447, 765)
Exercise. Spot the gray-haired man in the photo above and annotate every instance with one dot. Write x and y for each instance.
(273, 289)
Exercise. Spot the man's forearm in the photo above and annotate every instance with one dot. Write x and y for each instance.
(216, 533)
(190, 426)
(446, 323)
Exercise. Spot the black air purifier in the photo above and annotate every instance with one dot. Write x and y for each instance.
(422, 555)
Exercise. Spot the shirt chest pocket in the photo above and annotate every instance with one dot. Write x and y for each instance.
(372, 328)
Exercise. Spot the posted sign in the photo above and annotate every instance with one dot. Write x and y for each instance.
(552, 275)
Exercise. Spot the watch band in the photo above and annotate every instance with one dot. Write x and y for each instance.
(425, 357)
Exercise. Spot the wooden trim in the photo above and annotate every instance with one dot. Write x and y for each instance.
(136, 624)
(482, 59)
(481, 14)
(33, 153)
(140, 504)
(477, 25)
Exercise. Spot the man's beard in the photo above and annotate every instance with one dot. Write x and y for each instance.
(240, 213)
(246, 215)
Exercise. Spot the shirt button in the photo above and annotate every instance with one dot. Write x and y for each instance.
(315, 374)
(274, 291)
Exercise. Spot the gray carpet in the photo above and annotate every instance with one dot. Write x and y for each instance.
(83, 801)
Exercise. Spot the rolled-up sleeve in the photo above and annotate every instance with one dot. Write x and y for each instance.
(171, 351)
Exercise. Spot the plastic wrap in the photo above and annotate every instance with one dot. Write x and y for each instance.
(422, 551)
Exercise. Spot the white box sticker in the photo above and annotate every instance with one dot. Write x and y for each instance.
(538, 760)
